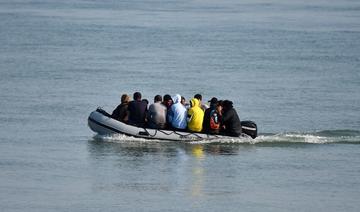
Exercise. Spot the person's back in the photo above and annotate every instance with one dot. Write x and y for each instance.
(157, 114)
(195, 115)
(121, 112)
(230, 120)
(137, 110)
(178, 114)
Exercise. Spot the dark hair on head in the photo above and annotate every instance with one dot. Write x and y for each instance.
(137, 96)
(145, 100)
(158, 98)
(198, 96)
(227, 104)
(167, 97)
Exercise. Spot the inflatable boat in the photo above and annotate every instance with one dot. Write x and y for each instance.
(101, 122)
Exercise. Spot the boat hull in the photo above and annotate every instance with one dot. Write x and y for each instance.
(100, 122)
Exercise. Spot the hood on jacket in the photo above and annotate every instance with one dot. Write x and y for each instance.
(176, 98)
(194, 102)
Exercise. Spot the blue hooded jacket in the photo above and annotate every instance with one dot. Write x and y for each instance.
(178, 113)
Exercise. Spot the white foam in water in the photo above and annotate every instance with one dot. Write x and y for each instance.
(118, 138)
(243, 140)
(311, 139)
(276, 138)
(296, 138)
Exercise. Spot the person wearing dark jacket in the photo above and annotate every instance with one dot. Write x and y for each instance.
(137, 109)
(121, 112)
(206, 122)
(168, 102)
(230, 120)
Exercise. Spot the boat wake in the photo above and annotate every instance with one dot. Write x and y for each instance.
(318, 137)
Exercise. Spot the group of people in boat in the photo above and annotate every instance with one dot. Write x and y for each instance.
(174, 113)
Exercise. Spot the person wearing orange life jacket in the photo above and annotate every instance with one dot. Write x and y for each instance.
(206, 121)
(212, 117)
(195, 116)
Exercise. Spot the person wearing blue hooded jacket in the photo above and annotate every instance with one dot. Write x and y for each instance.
(178, 114)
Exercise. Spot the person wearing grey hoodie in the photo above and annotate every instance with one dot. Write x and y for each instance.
(178, 116)
(157, 114)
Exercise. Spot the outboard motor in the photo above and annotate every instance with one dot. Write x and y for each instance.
(249, 128)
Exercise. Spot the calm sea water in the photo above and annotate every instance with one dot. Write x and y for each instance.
(290, 66)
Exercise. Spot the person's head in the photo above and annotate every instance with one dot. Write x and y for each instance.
(125, 98)
(167, 100)
(213, 102)
(145, 100)
(137, 96)
(198, 96)
(157, 98)
(176, 99)
(227, 105)
(183, 100)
